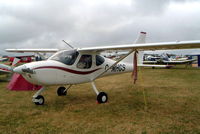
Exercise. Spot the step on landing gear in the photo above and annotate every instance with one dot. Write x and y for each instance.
(102, 97)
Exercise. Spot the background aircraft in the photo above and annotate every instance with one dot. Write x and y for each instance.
(23, 59)
(166, 59)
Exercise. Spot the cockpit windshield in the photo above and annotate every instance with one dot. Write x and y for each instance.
(66, 57)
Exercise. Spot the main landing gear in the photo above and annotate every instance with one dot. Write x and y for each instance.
(62, 91)
(102, 97)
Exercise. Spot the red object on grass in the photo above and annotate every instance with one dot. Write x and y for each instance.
(18, 83)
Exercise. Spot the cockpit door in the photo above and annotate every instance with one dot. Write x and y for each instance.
(85, 62)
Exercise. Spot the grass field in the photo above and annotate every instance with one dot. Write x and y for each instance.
(173, 106)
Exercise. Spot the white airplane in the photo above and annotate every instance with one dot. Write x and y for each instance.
(165, 59)
(81, 65)
(141, 63)
(170, 60)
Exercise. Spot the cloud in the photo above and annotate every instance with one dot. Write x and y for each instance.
(82, 23)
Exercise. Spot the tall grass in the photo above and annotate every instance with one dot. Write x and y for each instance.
(172, 95)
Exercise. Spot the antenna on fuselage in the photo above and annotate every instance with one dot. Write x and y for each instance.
(68, 44)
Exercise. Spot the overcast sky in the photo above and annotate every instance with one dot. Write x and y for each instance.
(44, 23)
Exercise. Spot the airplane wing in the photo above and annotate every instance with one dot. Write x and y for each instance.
(153, 66)
(178, 62)
(33, 50)
(146, 46)
(150, 62)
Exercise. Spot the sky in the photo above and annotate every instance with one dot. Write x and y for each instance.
(83, 23)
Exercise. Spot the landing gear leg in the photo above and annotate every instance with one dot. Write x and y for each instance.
(37, 98)
(102, 97)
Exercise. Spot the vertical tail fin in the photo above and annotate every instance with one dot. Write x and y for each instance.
(141, 38)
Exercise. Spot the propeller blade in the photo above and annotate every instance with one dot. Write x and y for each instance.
(15, 61)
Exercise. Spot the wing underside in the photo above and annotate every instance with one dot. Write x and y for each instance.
(33, 50)
(147, 46)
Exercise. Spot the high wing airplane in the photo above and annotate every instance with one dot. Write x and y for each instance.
(165, 59)
(141, 63)
(170, 60)
(81, 65)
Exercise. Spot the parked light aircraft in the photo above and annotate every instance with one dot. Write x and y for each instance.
(116, 55)
(81, 65)
(165, 59)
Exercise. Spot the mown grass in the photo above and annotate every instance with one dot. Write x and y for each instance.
(173, 106)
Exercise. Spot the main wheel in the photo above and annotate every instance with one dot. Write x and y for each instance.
(61, 91)
(102, 97)
(39, 100)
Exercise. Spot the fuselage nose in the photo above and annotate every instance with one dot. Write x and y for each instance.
(19, 69)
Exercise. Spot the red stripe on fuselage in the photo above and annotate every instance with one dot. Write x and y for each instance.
(68, 70)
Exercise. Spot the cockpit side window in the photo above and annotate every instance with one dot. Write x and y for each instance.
(85, 62)
(66, 57)
(99, 60)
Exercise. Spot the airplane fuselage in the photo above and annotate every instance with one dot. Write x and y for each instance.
(54, 72)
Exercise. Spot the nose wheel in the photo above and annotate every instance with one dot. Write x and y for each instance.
(39, 100)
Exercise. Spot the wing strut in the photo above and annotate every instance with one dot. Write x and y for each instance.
(114, 64)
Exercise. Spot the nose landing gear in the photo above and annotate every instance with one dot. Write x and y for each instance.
(37, 98)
